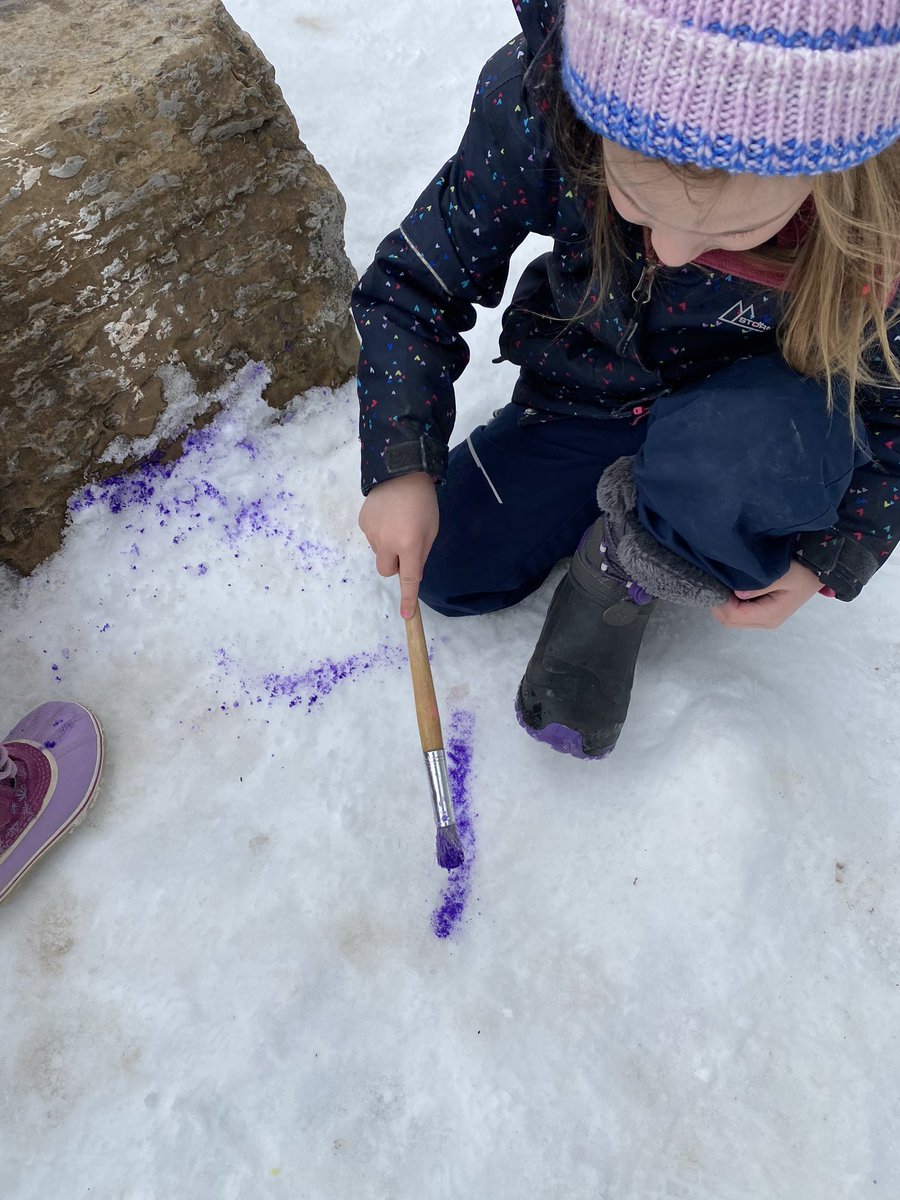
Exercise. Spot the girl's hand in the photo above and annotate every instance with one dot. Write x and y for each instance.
(769, 607)
(400, 521)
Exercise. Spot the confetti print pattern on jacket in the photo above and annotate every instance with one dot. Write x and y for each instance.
(662, 329)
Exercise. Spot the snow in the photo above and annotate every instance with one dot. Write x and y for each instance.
(672, 976)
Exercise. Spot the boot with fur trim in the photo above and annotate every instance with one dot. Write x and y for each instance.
(577, 686)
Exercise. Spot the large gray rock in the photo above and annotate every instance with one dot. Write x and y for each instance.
(156, 207)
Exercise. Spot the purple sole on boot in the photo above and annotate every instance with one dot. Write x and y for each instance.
(560, 738)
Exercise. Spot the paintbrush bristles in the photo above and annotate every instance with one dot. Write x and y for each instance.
(449, 848)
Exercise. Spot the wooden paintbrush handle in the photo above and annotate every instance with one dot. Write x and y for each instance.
(423, 685)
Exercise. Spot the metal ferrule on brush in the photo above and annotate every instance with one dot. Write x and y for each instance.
(439, 782)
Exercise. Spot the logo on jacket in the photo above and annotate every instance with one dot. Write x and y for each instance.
(744, 317)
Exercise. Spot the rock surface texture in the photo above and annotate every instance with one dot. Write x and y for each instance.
(156, 207)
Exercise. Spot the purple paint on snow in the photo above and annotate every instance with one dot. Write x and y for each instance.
(252, 518)
(120, 492)
(159, 491)
(200, 439)
(320, 680)
(447, 916)
(139, 489)
(224, 660)
(307, 687)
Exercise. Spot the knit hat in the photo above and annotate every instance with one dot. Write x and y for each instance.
(771, 87)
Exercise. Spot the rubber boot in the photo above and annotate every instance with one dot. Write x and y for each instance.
(576, 689)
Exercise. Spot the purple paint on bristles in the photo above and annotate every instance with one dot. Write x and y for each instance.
(448, 849)
(447, 916)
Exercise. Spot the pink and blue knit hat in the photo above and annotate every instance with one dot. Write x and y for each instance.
(770, 87)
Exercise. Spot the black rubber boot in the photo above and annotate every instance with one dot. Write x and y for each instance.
(575, 692)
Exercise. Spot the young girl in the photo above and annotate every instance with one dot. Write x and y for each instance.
(708, 408)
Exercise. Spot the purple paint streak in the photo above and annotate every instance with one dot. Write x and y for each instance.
(306, 688)
(447, 916)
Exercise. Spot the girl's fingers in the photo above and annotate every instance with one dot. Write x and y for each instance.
(722, 611)
(409, 594)
(409, 568)
(386, 564)
(753, 595)
(765, 612)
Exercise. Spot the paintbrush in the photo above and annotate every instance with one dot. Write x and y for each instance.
(449, 850)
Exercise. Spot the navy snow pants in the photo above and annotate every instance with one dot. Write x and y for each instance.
(726, 473)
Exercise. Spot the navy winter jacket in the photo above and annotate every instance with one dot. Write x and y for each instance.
(663, 329)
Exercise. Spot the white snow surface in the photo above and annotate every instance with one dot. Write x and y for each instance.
(677, 973)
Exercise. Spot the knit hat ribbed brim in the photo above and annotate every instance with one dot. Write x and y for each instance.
(773, 88)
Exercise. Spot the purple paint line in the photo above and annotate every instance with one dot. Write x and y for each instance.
(447, 916)
(308, 687)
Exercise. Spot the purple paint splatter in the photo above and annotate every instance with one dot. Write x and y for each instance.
(120, 492)
(190, 505)
(307, 687)
(141, 488)
(447, 916)
(177, 496)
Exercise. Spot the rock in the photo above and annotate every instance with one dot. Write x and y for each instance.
(157, 207)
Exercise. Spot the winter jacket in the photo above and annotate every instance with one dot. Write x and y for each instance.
(662, 329)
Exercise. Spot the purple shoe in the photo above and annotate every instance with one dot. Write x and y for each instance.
(49, 770)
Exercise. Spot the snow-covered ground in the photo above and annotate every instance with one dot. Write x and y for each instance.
(672, 976)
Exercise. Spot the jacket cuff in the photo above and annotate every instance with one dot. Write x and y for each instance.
(839, 562)
(426, 454)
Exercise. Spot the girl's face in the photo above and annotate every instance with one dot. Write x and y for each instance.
(686, 219)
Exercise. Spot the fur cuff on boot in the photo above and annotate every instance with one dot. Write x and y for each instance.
(642, 558)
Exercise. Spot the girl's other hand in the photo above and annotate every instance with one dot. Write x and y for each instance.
(769, 607)
(400, 521)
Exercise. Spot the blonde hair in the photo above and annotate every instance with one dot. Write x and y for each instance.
(839, 281)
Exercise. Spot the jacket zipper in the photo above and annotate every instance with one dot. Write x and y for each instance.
(641, 297)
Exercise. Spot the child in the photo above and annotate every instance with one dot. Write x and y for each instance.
(710, 337)
(50, 766)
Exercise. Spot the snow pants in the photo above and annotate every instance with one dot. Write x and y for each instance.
(727, 473)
